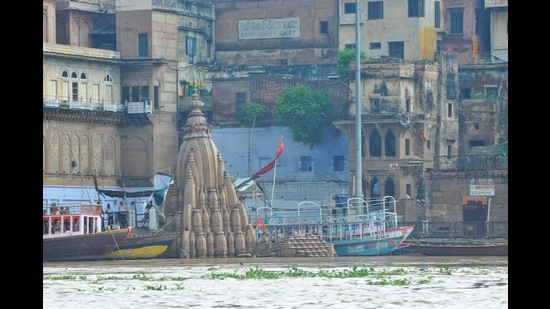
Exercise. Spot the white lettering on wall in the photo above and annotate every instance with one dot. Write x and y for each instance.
(253, 29)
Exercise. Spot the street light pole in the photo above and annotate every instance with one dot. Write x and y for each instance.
(358, 161)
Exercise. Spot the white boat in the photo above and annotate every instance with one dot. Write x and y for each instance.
(358, 228)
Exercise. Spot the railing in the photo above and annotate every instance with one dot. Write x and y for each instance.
(459, 230)
(99, 105)
(82, 103)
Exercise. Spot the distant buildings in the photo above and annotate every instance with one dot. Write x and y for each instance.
(118, 79)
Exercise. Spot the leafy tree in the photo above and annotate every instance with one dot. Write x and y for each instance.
(251, 112)
(305, 111)
(343, 59)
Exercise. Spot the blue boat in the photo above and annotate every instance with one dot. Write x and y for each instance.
(359, 228)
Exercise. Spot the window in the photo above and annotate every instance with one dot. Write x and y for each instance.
(375, 144)
(240, 100)
(437, 12)
(457, 22)
(449, 110)
(135, 94)
(476, 125)
(491, 92)
(349, 46)
(428, 144)
(338, 163)
(208, 49)
(323, 26)
(75, 91)
(375, 45)
(376, 10)
(191, 48)
(449, 151)
(438, 46)
(143, 45)
(478, 21)
(349, 8)
(375, 105)
(305, 164)
(83, 76)
(407, 147)
(125, 94)
(108, 78)
(477, 143)
(416, 8)
(144, 94)
(408, 189)
(156, 97)
(396, 49)
(466, 93)
(408, 105)
(389, 143)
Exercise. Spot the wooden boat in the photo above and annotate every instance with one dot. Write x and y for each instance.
(73, 232)
(140, 253)
(143, 246)
(358, 229)
(401, 248)
(488, 249)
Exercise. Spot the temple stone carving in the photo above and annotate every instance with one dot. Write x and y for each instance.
(203, 204)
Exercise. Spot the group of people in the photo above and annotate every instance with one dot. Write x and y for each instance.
(121, 217)
(54, 210)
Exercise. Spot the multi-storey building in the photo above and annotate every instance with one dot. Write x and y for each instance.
(405, 29)
(119, 75)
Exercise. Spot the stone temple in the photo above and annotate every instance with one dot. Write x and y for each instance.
(204, 213)
(201, 205)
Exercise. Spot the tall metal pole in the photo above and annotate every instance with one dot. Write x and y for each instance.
(358, 140)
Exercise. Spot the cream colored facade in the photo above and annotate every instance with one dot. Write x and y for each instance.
(417, 34)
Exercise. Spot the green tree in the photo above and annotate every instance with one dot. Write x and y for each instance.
(343, 59)
(252, 112)
(305, 111)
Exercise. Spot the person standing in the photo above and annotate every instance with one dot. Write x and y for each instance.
(109, 213)
(123, 215)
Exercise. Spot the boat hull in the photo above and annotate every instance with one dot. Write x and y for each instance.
(82, 247)
(137, 241)
(374, 246)
(500, 249)
(142, 253)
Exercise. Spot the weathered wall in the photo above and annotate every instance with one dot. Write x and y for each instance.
(444, 192)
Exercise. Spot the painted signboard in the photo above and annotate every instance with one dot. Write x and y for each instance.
(136, 108)
(482, 190)
(280, 28)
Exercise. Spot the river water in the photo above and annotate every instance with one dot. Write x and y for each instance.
(397, 281)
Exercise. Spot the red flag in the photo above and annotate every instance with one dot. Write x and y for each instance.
(271, 165)
(423, 136)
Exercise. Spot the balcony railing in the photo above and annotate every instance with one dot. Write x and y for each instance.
(102, 105)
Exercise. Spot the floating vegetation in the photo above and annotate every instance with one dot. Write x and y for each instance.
(373, 276)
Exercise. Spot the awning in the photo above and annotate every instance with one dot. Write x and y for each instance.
(104, 29)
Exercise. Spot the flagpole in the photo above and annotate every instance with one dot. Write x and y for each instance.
(273, 188)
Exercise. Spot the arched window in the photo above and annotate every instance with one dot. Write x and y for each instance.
(83, 76)
(375, 144)
(389, 143)
(65, 74)
(108, 78)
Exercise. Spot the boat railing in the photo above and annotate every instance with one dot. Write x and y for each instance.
(72, 208)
